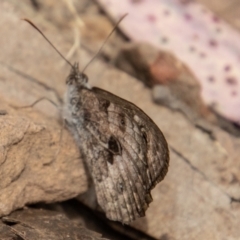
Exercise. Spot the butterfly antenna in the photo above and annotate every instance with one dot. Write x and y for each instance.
(33, 25)
(105, 41)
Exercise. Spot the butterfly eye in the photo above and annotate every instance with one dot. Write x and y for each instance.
(69, 80)
(114, 146)
(84, 78)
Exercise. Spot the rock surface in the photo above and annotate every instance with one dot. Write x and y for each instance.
(199, 199)
(41, 224)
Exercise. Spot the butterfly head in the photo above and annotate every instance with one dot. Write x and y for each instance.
(76, 77)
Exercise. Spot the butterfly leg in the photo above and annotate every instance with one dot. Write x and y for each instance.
(37, 101)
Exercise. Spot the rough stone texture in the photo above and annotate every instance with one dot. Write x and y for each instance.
(29, 140)
(199, 199)
(30, 170)
(41, 224)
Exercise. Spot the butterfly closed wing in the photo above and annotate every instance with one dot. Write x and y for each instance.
(126, 153)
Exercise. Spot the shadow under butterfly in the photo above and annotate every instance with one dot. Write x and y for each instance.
(124, 150)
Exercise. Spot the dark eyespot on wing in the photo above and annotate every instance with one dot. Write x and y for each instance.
(110, 157)
(144, 135)
(103, 105)
(114, 146)
(87, 115)
(122, 122)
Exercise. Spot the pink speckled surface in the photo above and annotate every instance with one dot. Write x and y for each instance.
(209, 46)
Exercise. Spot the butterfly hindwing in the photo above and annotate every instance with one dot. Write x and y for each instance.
(134, 162)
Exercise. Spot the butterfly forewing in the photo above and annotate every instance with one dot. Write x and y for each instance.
(145, 133)
(124, 150)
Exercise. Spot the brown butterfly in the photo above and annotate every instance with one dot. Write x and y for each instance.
(125, 151)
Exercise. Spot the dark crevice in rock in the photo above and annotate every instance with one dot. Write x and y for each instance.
(17, 176)
(36, 5)
(187, 161)
(236, 200)
(207, 131)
